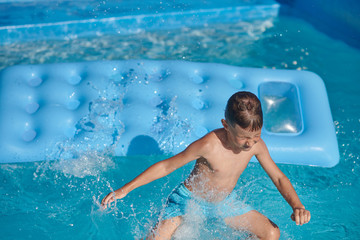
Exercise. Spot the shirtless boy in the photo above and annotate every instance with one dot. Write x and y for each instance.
(221, 157)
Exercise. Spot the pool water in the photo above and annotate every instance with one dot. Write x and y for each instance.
(60, 199)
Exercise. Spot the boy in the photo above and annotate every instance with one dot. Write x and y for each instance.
(221, 157)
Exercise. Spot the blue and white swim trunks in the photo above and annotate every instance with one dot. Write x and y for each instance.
(181, 201)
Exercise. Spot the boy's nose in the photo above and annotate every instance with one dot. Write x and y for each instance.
(249, 144)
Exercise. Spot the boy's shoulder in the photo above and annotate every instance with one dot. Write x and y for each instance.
(260, 147)
(215, 135)
(212, 138)
(206, 145)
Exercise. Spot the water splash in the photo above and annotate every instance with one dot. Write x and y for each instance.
(89, 151)
(197, 226)
(169, 128)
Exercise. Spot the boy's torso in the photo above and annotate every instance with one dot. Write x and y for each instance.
(216, 174)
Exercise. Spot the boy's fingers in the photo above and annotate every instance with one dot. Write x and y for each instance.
(297, 218)
(108, 199)
(104, 199)
(308, 216)
(111, 197)
(300, 216)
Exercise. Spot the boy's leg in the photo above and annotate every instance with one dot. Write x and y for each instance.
(256, 223)
(165, 229)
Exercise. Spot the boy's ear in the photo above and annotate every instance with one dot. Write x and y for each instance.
(225, 124)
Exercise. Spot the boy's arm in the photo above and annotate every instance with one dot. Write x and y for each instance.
(283, 184)
(158, 170)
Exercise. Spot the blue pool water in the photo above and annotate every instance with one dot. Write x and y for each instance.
(60, 199)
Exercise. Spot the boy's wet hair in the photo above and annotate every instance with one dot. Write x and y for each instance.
(244, 108)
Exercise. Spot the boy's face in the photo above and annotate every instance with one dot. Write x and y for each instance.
(240, 138)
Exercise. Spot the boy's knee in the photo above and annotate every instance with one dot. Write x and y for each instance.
(273, 232)
(165, 229)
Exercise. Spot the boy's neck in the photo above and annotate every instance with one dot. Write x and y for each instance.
(227, 143)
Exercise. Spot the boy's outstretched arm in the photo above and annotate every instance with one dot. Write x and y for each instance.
(157, 170)
(300, 215)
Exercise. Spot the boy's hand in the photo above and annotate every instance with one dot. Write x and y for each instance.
(111, 197)
(300, 216)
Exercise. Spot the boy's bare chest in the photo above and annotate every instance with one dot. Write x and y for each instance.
(225, 166)
(215, 176)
